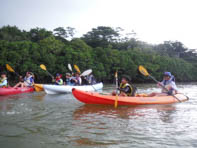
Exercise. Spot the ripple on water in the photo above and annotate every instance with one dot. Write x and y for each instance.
(39, 120)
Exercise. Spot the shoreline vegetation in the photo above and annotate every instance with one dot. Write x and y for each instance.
(103, 49)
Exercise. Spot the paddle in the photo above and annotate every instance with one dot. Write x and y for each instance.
(9, 68)
(87, 72)
(77, 68)
(116, 100)
(145, 73)
(69, 67)
(43, 67)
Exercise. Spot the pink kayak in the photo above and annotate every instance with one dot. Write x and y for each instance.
(13, 91)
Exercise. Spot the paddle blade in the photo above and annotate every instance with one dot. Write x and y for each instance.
(143, 70)
(87, 72)
(38, 87)
(9, 68)
(77, 68)
(42, 66)
(69, 67)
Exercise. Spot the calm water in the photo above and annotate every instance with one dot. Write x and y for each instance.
(37, 120)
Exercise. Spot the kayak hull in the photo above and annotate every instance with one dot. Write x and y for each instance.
(96, 98)
(13, 91)
(62, 89)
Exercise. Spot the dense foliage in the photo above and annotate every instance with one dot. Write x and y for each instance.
(103, 49)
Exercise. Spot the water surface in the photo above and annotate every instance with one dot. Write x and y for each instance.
(38, 120)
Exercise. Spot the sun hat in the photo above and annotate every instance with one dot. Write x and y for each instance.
(167, 74)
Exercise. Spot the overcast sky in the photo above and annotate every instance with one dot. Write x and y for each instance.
(154, 21)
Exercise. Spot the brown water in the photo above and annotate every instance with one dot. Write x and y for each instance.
(37, 120)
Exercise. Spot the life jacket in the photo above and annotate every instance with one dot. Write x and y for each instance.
(167, 84)
(2, 81)
(122, 86)
(69, 82)
(29, 81)
(59, 81)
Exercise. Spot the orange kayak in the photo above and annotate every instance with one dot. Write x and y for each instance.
(96, 98)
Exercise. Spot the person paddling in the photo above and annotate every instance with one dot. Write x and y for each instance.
(90, 79)
(58, 80)
(125, 88)
(28, 80)
(77, 79)
(169, 83)
(68, 80)
(3, 80)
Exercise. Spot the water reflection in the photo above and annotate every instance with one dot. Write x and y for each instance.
(87, 112)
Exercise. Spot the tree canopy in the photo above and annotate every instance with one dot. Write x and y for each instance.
(102, 49)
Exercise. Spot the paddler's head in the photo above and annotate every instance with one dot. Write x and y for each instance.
(28, 74)
(3, 75)
(167, 75)
(58, 76)
(77, 75)
(68, 75)
(125, 79)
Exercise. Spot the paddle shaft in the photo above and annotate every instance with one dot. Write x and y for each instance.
(116, 100)
(164, 87)
(49, 74)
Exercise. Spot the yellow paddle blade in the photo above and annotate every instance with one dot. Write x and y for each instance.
(42, 66)
(9, 68)
(38, 87)
(143, 70)
(77, 68)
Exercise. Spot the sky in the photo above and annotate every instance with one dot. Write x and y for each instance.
(154, 21)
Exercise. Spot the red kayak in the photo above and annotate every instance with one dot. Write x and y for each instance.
(13, 91)
(96, 98)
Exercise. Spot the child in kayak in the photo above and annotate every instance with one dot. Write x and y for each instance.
(3, 80)
(58, 80)
(169, 83)
(28, 80)
(125, 88)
